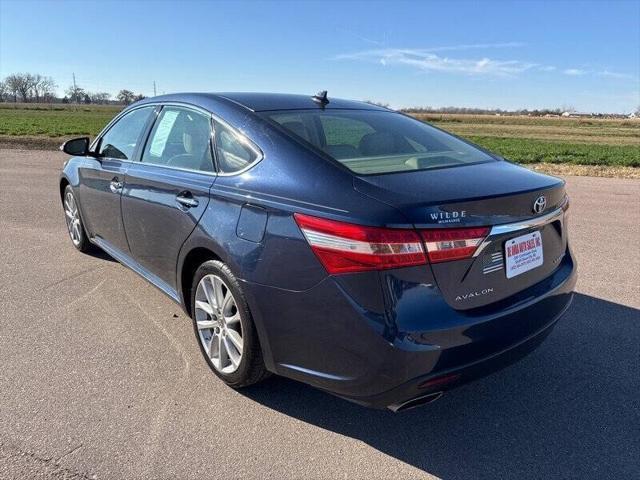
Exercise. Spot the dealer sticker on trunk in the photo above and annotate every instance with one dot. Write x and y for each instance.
(523, 253)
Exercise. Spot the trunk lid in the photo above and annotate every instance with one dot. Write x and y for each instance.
(499, 195)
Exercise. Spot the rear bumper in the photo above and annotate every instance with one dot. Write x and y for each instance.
(444, 380)
(337, 337)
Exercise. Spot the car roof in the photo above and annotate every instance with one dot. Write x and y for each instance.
(260, 102)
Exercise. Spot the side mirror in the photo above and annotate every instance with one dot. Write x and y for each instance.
(78, 147)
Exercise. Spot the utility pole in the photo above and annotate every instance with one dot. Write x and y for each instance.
(154, 88)
(74, 98)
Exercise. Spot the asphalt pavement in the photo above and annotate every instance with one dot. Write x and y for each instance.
(101, 376)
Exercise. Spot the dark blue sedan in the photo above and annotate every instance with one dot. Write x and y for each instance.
(335, 242)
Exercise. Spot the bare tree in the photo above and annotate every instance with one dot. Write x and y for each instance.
(99, 97)
(76, 94)
(12, 82)
(43, 87)
(20, 84)
(49, 93)
(35, 87)
(25, 86)
(3, 90)
(126, 97)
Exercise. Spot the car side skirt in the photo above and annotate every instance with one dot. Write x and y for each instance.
(130, 263)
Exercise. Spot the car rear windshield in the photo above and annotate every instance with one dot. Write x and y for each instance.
(374, 142)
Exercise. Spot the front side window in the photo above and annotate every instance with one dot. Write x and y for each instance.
(121, 139)
(234, 151)
(180, 138)
(374, 142)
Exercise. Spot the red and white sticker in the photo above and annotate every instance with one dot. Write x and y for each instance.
(523, 253)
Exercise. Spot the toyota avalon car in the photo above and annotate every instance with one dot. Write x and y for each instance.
(334, 242)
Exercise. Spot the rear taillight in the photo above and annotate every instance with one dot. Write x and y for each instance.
(346, 247)
(447, 244)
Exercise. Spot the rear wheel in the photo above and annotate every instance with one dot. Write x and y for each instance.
(223, 326)
(74, 222)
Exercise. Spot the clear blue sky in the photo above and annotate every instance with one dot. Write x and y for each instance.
(484, 54)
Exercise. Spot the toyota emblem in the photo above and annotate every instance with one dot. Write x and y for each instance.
(540, 204)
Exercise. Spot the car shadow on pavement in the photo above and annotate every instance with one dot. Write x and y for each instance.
(101, 254)
(570, 409)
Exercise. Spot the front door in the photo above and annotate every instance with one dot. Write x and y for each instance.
(166, 193)
(102, 178)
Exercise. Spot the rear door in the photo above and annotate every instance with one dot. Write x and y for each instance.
(167, 192)
(101, 179)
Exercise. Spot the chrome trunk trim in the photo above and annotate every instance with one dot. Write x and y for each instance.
(498, 230)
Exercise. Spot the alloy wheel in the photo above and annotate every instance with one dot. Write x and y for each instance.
(218, 321)
(72, 218)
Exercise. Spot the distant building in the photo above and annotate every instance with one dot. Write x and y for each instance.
(577, 114)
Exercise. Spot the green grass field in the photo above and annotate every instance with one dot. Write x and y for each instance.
(59, 121)
(549, 140)
(521, 139)
(526, 150)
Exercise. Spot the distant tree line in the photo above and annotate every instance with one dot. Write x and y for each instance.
(27, 87)
(544, 112)
(36, 88)
(488, 111)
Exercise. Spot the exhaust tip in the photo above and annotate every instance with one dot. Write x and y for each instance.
(416, 402)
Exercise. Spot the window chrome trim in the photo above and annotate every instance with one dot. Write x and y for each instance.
(250, 143)
(498, 230)
(185, 106)
(180, 169)
(115, 119)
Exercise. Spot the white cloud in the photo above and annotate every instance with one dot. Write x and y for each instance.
(610, 74)
(427, 60)
(574, 72)
(598, 73)
(473, 46)
(432, 59)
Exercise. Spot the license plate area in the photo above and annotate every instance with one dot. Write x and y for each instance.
(523, 253)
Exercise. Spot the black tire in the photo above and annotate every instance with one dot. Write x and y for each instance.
(83, 244)
(251, 368)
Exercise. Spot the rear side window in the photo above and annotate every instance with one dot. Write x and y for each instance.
(234, 151)
(180, 138)
(121, 139)
(371, 142)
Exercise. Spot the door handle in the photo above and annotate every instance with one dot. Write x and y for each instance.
(186, 200)
(115, 186)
